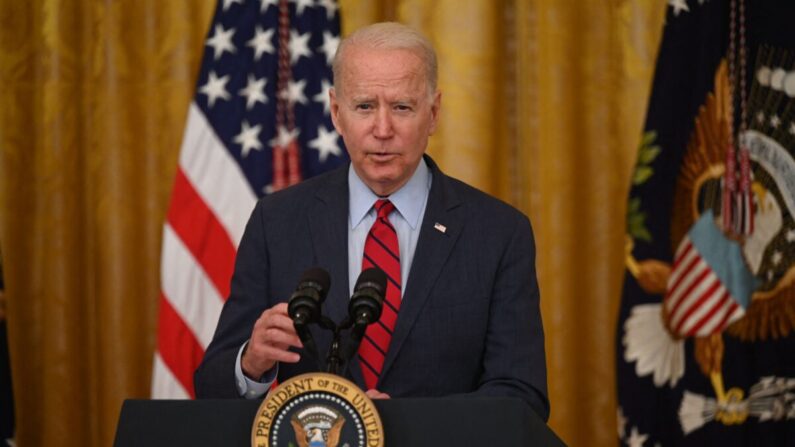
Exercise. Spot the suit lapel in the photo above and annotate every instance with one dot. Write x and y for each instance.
(433, 248)
(328, 225)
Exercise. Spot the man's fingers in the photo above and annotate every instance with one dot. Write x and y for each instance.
(276, 336)
(375, 394)
(281, 307)
(261, 355)
(281, 322)
(271, 339)
(281, 355)
(274, 325)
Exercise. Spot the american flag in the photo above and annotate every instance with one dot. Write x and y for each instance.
(260, 121)
(710, 287)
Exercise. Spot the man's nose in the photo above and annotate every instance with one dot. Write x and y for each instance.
(382, 128)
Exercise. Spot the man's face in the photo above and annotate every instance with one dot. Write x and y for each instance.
(385, 114)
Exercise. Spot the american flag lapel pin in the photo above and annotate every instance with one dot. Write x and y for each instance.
(440, 228)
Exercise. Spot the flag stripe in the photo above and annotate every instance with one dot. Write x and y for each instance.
(682, 266)
(682, 296)
(183, 281)
(680, 274)
(215, 175)
(684, 256)
(736, 311)
(699, 291)
(713, 318)
(681, 251)
(700, 307)
(163, 381)
(202, 233)
(177, 346)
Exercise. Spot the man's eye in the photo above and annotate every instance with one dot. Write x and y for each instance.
(364, 107)
(402, 108)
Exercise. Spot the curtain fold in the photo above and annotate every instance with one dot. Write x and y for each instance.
(542, 106)
(588, 68)
(93, 105)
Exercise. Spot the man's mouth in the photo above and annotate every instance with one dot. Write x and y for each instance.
(382, 156)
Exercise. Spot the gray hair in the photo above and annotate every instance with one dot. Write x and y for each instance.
(390, 36)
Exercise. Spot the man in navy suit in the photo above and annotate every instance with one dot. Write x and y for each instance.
(468, 321)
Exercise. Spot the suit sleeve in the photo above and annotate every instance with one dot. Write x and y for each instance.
(514, 361)
(215, 376)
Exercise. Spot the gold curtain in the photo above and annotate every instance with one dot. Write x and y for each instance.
(542, 107)
(93, 101)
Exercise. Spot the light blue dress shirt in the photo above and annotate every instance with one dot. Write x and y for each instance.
(410, 201)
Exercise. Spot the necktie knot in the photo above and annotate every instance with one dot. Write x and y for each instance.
(383, 207)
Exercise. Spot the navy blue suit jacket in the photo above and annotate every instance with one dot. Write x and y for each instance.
(469, 322)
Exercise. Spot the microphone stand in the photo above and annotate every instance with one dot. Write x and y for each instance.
(332, 360)
(337, 361)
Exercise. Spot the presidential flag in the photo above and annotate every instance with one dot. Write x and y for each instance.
(259, 122)
(706, 336)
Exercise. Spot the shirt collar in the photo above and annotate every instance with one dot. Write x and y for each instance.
(409, 200)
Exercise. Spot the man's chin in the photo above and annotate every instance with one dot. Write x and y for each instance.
(383, 185)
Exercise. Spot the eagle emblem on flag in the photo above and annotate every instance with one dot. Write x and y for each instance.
(719, 284)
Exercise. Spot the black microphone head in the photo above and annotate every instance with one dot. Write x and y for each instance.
(373, 277)
(304, 305)
(368, 297)
(318, 279)
(365, 306)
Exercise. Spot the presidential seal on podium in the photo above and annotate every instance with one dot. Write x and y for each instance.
(317, 410)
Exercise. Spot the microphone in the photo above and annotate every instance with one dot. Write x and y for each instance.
(304, 304)
(365, 306)
(368, 297)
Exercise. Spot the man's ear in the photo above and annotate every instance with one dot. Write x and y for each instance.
(335, 108)
(436, 108)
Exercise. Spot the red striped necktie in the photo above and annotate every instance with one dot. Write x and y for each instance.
(381, 250)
